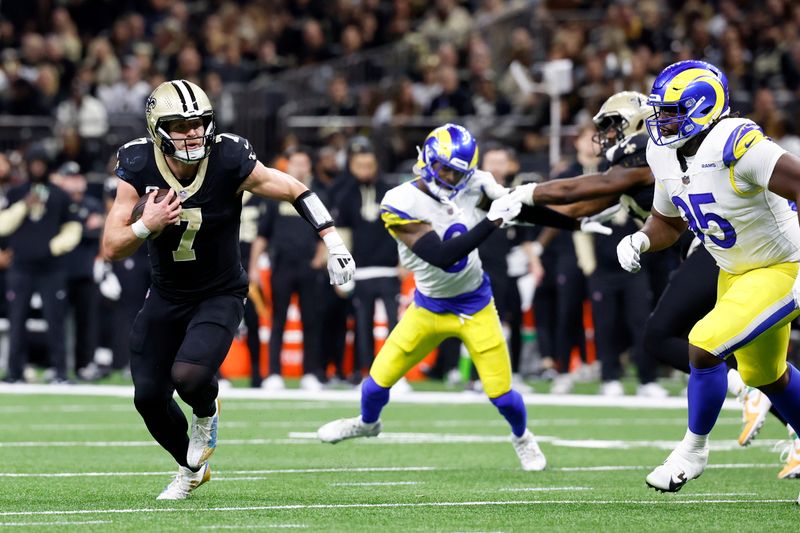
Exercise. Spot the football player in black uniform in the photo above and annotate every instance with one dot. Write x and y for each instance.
(190, 315)
(692, 290)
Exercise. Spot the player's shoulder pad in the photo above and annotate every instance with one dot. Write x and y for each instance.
(133, 156)
(397, 205)
(740, 140)
(233, 150)
(630, 152)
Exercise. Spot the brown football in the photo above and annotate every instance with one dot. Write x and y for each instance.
(138, 209)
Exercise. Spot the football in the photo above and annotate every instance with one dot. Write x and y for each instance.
(138, 209)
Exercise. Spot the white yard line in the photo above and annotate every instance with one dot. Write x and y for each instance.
(542, 489)
(231, 472)
(262, 526)
(65, 523)
(657, 502)
(353, 396)
(376, 483)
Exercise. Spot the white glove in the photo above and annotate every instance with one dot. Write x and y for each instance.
(525, 193)
(505, 208)
(485, 180)
(591, 226)
(629, 250)
(110, 287)
(99, 270)
(606, 214)
(341, 267)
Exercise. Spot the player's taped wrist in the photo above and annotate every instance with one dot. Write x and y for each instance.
(444, 254)
(140, 230)
(332, 240)
(641, 241)
(525, 193)
(313, 210)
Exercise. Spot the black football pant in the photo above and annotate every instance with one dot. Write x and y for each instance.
(84, 299)
(333, 311)
(134, 277)
(285, 280)
(253, 342)
(620, 306)
(52, 287)
(364, 296)
(179, 347)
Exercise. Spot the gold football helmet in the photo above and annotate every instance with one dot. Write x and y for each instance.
(179, 100)
(624, 113)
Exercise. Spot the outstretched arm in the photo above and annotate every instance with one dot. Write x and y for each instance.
(272, 183)
(615, 181)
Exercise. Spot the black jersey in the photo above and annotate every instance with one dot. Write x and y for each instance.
(200, 256)
(631, 153)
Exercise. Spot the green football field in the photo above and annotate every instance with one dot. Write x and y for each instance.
(81, 463)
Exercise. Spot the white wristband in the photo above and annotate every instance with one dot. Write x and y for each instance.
(537, 248)
(332, 239)
(526, 193)
(140, 230)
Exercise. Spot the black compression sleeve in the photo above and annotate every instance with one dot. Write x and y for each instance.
(544, 216)
(444, 254)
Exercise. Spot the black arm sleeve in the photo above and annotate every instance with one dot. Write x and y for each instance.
(444, 254)
(544, 216)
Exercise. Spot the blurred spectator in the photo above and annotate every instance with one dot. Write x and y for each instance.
(83, 112)
(340, 100)
(83, 295)
(41, 227)
(296, 261)
(446, 21)
(374, 250)
(128, 94)
(454, 101)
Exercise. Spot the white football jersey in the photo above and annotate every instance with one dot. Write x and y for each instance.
(406, 204)
(723, 196)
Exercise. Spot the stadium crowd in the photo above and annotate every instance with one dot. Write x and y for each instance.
(89, 65)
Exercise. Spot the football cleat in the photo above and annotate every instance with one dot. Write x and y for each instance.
(347, 428)
(681, 466)
(755, 406)
(528, 451)
(274, 382)
(652, 390)
(791, 456)
(185, 482)
(203, 441)
(612, 388)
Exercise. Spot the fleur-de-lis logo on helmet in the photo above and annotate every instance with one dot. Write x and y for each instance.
(688, 97)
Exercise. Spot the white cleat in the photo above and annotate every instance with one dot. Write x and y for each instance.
(402, 387)
(681, 466)
(347, 428)
(528, 451)
(203, 441)
(612, 389)
(273, 383)
(311, 383)
(652, 390)
(185, 482)
(562, 384)
(791, 456)
(755, 406)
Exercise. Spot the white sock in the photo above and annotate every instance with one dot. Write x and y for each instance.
(694, 441)
(735, 383)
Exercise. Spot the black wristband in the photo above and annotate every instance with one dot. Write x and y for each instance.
(444, 254)
(313, 210)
